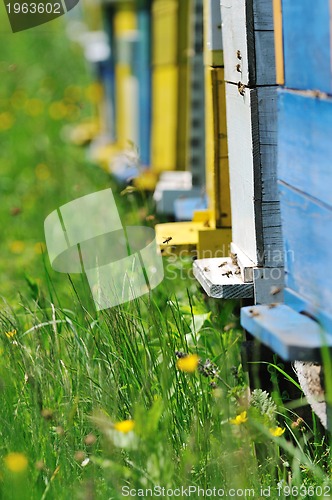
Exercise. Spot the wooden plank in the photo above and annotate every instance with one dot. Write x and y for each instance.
(213, 54)
(221, 282)
(308, 247)
(216, 151)
(291, 335)
(252, 127)
(263, 15)
(273, 255)
(278, 42)
(164, 121)
(305, 306)
(241, 165)
(214, 242)
(267, 114)
(307, 44)
(248, 45)
(305, 146)
(268, 285)
(245, 264)
(164, 32)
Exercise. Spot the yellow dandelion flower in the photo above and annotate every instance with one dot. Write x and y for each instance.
(188, 364)
(57, 110)
(277, 431)
(34, 107)
(16, 462)
(42, 172)
(125, 426)
(239, 419)
(94, 93)
(6, 121)
(11, 334)
(17, 247)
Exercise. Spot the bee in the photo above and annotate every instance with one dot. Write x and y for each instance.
(167, 240)
(238, 54)
(233, 256)
(275, 290)
(206, 269)
(149, 217)
(298, 423)
(238, 68)
(206, 223)
(272, 305)
(227, 273)
(238, 271)
(253, 312)
(241, 88)
(222, 264)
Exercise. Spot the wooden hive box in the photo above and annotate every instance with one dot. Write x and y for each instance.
(251, 105)
(303, 324)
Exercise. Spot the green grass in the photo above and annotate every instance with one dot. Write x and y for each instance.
(68, 373)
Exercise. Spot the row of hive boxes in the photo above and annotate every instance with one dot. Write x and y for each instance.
(150, 58)
(305, 151)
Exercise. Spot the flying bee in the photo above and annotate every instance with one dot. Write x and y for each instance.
(167, 240)
(150, 217)
(227, 273)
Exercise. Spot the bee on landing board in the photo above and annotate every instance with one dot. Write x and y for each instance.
(167, 240)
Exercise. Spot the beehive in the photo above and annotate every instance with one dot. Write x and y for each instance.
(298, 328)
(248, 43)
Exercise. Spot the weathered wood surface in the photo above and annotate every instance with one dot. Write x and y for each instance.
(252, 128)
(307, 234)
(268, 285)
(286, 332)
(305, 145)
(221, 282)
(307, 44)
(248, 41)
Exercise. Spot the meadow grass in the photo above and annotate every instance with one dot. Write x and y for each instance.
(149, 393)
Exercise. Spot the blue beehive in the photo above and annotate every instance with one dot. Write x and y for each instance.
(300, 327)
